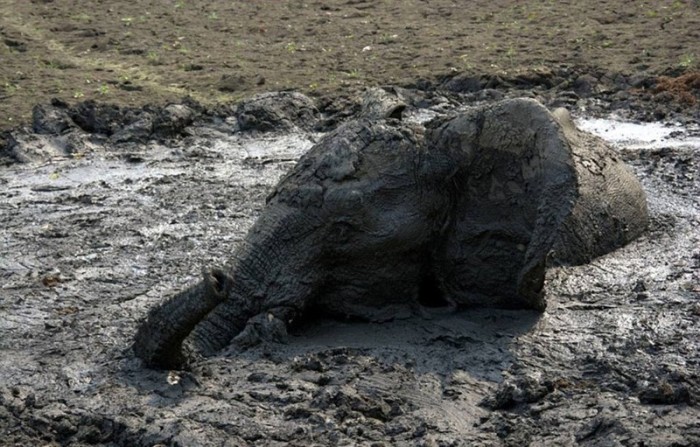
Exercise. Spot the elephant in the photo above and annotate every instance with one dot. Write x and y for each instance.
(382, 215)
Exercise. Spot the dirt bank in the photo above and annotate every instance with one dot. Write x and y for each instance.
(154, 51)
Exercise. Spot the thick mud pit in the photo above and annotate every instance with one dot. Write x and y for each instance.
(91, 241)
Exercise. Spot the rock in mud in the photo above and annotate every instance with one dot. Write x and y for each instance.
(60, 130)
(464, 83)
(51, 119)
(378, 104)
(276, 111)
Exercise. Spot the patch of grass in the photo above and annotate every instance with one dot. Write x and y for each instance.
(59, 64)
(153, 58)
(687, 61)
(466, 63)
(388, 38)
(193, 67)
(82, 17)
(677, 4)
(10, 88)
(511, 53)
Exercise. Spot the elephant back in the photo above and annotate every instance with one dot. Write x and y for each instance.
(611, 209)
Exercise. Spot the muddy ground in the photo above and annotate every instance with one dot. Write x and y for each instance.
(124, 207)
(105, 211)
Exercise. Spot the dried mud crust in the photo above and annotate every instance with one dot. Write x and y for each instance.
(134, 53)
(91, 242)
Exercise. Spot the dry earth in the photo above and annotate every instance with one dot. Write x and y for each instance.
(155, 51)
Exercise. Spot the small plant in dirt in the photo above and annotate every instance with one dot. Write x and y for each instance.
(677, 4)
(10, 88)
(687, 61)
(388, 38)
(193, 67)
(153, 58)
(510, 55)
(59, 64)
(82, 17)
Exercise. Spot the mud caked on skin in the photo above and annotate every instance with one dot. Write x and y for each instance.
(380, 214)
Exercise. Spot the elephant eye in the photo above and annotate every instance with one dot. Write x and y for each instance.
(341, 231)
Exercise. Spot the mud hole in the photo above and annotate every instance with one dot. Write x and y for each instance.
(97, 229)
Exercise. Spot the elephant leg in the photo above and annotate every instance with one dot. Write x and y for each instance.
(268, 326)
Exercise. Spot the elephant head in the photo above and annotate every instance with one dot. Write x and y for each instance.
(347, 232)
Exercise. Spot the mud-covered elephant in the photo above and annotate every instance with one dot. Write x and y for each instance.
(468, 210)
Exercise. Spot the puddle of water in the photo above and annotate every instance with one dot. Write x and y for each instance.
(291, 146)
(620, 133)
(420, 116)
(641, 135)
(287, 146)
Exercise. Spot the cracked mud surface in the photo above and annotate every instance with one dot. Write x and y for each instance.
(92, 239)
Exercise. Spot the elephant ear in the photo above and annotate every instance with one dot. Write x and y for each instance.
(515, 186)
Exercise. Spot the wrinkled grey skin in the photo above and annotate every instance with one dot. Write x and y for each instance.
(380, 216)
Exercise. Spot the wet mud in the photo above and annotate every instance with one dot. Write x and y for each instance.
(97, 229)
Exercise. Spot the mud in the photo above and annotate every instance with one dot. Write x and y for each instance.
(95, 235)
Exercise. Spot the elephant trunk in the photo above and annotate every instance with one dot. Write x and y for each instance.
(159, 339)
(269, 277)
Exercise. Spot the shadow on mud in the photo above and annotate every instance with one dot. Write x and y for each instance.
(439, 343)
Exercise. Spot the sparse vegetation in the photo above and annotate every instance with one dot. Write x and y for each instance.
(153, 58)
(172, 48)
(10, 88)
(687, 61)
